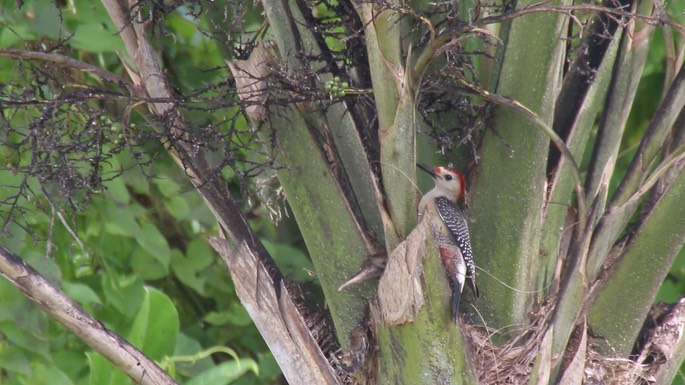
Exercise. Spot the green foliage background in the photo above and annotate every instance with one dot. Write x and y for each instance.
(140, 263)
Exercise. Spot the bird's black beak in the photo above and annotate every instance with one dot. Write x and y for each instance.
(427, 169)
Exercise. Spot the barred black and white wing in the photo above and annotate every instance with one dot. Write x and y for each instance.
(456, 224)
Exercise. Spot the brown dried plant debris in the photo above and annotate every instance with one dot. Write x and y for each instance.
(512, 363)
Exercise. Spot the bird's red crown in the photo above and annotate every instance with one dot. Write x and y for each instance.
(444, 170)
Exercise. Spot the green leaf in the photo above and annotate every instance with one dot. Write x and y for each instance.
(187, 346)
(178, 207)
(116, 187)
(167, 186)
(13, 304)
(147, 266)
(13, 359)
(187, 268)
(103, 372)
(70, 359)
(10, 38)
(183, 28)
(225, 373)
(46, 19)
(236, 315)
(32, 340)
(156, 326)
(124, 293)
(115, 249)
(152, 240)
(96, 38)
(117, 191)
(49, 375)
(668, 292)
(120, 222)
(81, 293)
(17, 241)
(136, 180)
(293, 262)
(268, 367)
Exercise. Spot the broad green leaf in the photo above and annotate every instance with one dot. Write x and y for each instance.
(235, 315)
(124, 293)
(117, 191)
(185, 29)
(152, 240)
(44, 19)
(92, 28)
(80, 293)
(188, 346)
(115, 185)
(146, 265)
(70, 358)
(16, 241)
(120, 222)
(167, 186)
(187, 268)
(136, 180)
(44, 374)
(13, 37)
(115, 249)
(178, 207)
(156, 326)
(292, 262)
(30, 335)
(669, 292)
(103, 372)
(13, 303)
(13, 359)
(38, 218)
(97, 38)
(268, 367)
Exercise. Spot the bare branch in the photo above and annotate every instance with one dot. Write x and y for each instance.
(67, 62)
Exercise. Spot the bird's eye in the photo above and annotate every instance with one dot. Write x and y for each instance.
(448, 177)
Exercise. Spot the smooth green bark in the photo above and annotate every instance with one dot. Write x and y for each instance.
(633, 281)
(336, 241)
(508, 190)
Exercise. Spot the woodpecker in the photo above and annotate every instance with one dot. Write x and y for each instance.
(450, 229)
